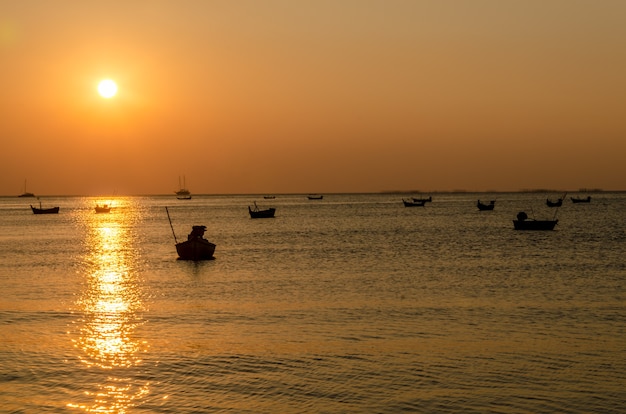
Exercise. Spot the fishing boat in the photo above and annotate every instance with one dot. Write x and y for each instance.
(315, 197)
(557, 203)
(41, 210)
(425, 200)
(105, 208)
(524, 223)
(408, 203)
(196, 247)
(486, 207)
(183, 193)
(577, 200)
(269, 197)
(257, 213)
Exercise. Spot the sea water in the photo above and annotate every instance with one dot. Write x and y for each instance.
(350, 304)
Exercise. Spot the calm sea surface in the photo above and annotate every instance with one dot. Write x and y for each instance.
(351, 304)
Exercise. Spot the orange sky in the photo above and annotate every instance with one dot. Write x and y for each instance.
(312, 96)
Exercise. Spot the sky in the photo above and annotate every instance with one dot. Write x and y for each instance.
(312, 96)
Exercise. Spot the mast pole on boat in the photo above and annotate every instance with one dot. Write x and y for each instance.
(172, 227)
(557, 207)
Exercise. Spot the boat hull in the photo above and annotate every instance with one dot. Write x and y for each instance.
(414, 203)
(269, 213)
(485, 207)
(103, 209)
(581, 200)
(196, 249)
(52, 210)
(534, 224)
(557, 203)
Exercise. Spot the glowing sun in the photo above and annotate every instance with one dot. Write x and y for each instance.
(107, 88)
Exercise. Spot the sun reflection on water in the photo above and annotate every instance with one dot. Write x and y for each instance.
(111, 305)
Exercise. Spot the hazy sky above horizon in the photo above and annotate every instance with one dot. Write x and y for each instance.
(312, 96)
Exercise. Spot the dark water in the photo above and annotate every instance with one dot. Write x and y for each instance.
(352, 304)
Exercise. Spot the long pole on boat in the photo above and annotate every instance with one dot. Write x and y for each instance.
(172, 227)
(557, 207)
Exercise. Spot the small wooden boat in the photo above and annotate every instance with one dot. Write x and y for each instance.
(577, 200)
(315, 197)
(40, 210)
(105, 208)
(196, 247)
(423, 200)
(557, 203)
(486, 207)
(523, 223)
(408, 203)
(257, 213)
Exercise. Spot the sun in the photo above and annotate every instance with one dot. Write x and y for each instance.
(107, 88)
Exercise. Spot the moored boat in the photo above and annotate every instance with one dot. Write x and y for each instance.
(196, 247)
(524, 223)
(26, 193)
(105, 208)
(183, 193)
(41, 210)
(315, 197)
(408, 203)
(258, 213)
(486, 207)
(557, 203)
(576, 200)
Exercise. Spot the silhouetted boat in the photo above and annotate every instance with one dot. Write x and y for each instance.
(196, 247)
(315, 197)
(256, 213)
(581, 200)
(408, 203)
(183, 193)
(26, 193)
(557, 203)
(524, 223)
(105, 208)
(41, 210)
(423, 200)
(485, 207)
(269, 197)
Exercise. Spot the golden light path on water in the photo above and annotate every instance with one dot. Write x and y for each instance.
(111, 303)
